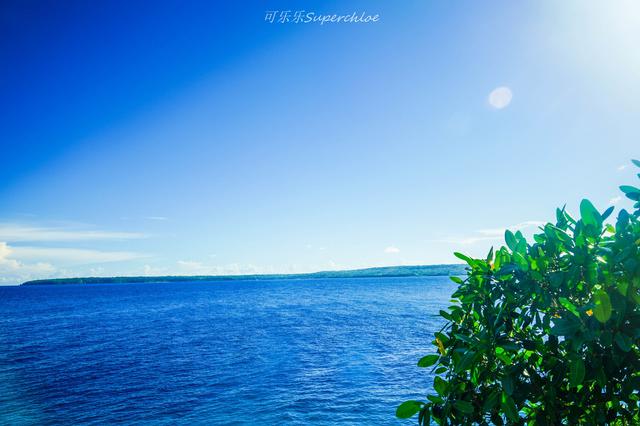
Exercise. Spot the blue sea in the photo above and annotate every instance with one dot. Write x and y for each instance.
(278, 352)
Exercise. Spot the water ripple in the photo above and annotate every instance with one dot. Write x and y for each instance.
(225, 353)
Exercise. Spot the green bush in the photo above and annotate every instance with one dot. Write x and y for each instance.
(546, 333)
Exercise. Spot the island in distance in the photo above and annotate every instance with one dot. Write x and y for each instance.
(386, 271)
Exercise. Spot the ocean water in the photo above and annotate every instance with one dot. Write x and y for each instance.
(298, 352)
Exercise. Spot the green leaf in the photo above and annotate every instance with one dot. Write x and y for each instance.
(408, 409)
(576, 372)
(606, 338)
(428, 361)
(589, 213)
(623, 342)
(509, 408)
(628, 189)
(591, 273)
(602, 309)
(456, 280)
(607, 213)
(510, 239)
(466, 361)
(601, 377)
(636, 162)
(446, 315)
(521, 261)
(440, 385)
(490, 255)
(463, 406)
(569, 306)
(556, 279)
(502, 355)
(492, 400)
(507, 384)
(565, 326)
(623, 287)
(464, 338)
(631, 192)
(424, 418)
(463, 257)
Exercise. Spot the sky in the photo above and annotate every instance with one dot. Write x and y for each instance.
(190, 138)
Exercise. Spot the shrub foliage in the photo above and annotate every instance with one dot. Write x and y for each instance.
(544, 332)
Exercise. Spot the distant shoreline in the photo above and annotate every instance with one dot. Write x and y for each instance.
(385, 271)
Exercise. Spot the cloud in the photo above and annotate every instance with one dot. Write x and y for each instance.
(500, 97)
(13, 271)
(615, 200)
(158, 218)
(491, 234)
(622, 167)
(149, 270)
(74, 256)
(465, 241)
(191, 264)
(194, 267)
(392, 249)
(21, 261)
(5, 252)
(517, 227)
(18, 232)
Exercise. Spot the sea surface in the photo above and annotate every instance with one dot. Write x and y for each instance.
(279, 352)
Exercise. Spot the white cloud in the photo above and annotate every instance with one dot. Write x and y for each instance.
(622, 167)
(18, 232)
(26, 261)
(615, 200)
(96, 272)
(5, 252)
(190, 264)
(13, 271)
(149, 270)
(392, 249)
(500, 97)
(158, 218)
(517, 227)
(195, 267)
(465, 241)
(491, 234)
(74, 256)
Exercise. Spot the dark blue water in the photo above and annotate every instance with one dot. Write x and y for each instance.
(337, 351)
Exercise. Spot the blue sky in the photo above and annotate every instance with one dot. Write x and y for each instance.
(175, 137)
